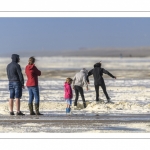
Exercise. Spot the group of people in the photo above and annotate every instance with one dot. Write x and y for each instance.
(82, 78)
(16, 84)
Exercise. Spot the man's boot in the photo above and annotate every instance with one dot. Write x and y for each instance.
(37, 109)
(84, 105)
(31, 109)
(109, 101)
(75, 103)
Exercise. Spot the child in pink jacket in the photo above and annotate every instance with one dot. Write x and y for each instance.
(68, 94)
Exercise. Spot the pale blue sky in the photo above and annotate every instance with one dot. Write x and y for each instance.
(27, 34)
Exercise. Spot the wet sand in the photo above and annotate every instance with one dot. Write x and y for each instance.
(131, 123)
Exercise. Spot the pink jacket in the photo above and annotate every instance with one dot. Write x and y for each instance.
(68, 91)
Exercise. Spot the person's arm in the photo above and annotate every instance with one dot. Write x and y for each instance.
(108, 73)
(7, 72)
(87, 79)
(85, 82)
(37, 72)
(21, 78)
(73, 82)
(70, 92)
(89, 74)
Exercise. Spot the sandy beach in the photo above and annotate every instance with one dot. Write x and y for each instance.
(130, 94)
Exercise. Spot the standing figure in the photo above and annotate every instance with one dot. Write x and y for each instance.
(68, 94)
(97, 73)
(79, 81)
(32, 84)
(16, 83)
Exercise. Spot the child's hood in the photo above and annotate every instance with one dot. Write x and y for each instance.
(66, 84)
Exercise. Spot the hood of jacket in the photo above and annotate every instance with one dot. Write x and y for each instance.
(84, 71)
(66, 84)
(15, 58)
(29, 67)
(97, 65)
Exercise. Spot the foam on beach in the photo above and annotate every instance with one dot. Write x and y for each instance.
(122, 107)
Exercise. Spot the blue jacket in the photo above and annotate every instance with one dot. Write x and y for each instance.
(14, 72)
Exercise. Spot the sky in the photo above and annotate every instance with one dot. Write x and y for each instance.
(31, 34)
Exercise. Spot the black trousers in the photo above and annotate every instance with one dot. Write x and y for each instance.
(104, 90)
(78, 90)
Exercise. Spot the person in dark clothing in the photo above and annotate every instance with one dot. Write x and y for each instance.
(16, 83)
(97, 73)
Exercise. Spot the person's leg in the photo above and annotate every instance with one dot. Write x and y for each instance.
(82, 95)
(12, 96)
(31, 95)
(35, 91)
(30, 103)
(68, 106)
(69, 109)
(97, 92)
(11, 104)
(37, 99)
(18, 104)
(76, 95)
(104, 90)
(18, 95)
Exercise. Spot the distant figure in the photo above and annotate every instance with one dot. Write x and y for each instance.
(97, 73)
(32, 84)
(16, 83)
(79, 81)
(121, 55)
(68, 94)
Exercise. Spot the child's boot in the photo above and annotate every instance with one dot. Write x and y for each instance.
(69, 110)
(66, 110)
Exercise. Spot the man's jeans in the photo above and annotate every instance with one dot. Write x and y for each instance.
(15, 89)
(34, 93)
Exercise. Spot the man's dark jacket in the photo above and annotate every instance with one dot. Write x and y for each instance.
(97, 73)
(14, 72)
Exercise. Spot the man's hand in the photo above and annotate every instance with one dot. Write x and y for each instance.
(87, 89)
(23, 87)
(115, 77)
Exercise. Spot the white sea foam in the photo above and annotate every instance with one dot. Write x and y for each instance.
(129, 96)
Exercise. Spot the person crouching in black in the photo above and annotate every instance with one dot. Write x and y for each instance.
(97, 73)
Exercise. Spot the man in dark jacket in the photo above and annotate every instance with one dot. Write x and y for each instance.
(97, 73)
(16, 83)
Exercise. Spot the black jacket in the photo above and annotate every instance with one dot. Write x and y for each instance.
(97, 73)
(14, 72)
